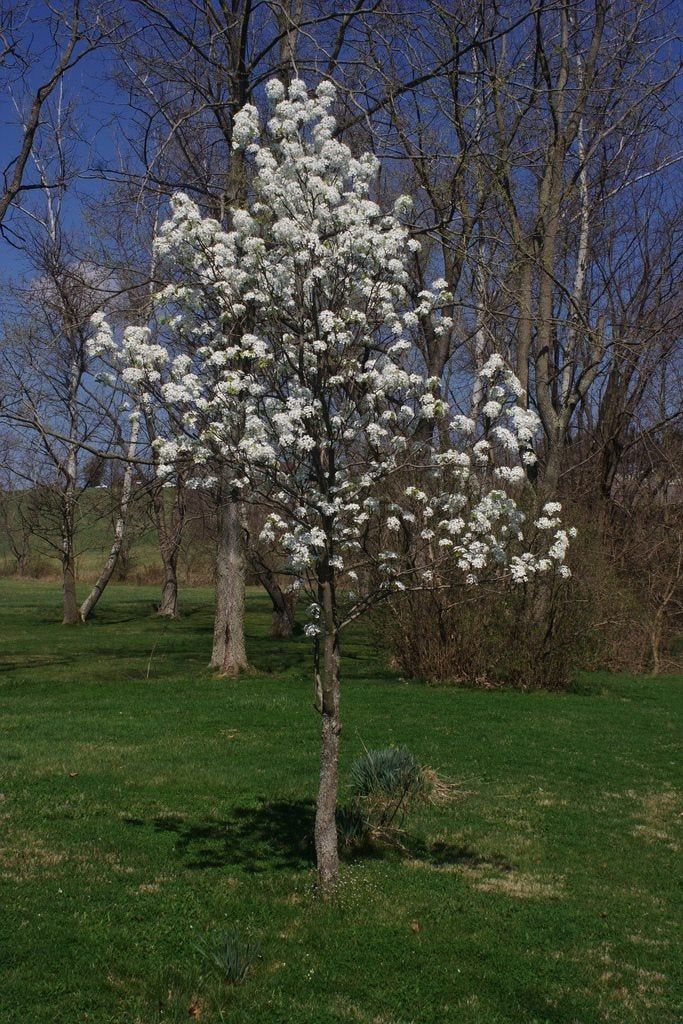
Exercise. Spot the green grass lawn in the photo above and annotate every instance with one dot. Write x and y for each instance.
(145, 804)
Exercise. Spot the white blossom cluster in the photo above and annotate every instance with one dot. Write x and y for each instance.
(283, 352)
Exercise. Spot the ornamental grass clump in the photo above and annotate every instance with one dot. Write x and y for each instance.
(385, 784)
(229, 955)
(393, 772)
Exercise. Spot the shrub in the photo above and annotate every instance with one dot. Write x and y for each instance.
(621, 609)
(536, 636)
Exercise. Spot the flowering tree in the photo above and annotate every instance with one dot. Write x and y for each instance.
(298, 375)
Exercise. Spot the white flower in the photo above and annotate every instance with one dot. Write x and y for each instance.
(551, 508)
(491, 410)
(245, 126)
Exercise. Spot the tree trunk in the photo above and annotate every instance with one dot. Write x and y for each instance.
(283, 601)
(168, 606)
(69, 600)
(106, 574)
(229, 654)
(120, 527)
(327, 699)
(282, 624)
(170, 533)
(552, 468)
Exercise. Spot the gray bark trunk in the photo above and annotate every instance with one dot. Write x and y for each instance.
(552, 468)
(327, 698)
(168, 606)
(107, 572)
(229, 656)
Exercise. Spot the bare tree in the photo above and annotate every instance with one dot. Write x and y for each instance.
(31, 71)
(50, 395)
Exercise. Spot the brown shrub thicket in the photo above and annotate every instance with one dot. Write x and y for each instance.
(621, 610)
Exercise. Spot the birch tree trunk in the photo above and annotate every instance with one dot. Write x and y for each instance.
(327, 700)
(120, 526)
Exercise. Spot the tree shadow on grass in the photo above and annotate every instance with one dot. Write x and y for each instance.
(432, 854)
(273, 836)
(445, 855)
(281, 657)
(278, 835)
(22, 662)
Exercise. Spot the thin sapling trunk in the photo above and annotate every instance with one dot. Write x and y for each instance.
(327, 699)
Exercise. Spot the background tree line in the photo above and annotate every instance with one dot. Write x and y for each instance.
(538, 142)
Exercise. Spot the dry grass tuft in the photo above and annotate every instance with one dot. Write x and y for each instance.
(522, 886)
(439, 790)
(659, 814)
